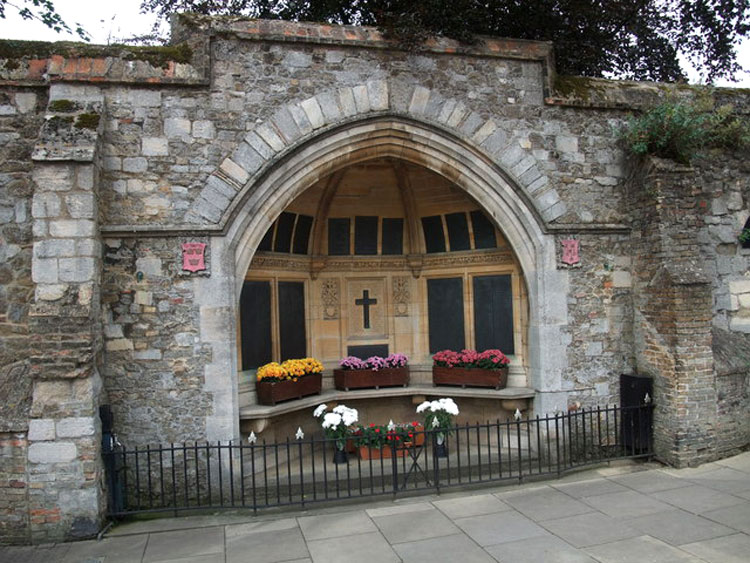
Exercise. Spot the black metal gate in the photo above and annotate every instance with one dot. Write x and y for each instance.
(209, 476)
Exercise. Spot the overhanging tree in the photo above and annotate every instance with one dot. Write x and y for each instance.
(631, 39)
(43, 11)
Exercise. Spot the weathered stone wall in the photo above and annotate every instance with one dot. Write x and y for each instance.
(14, 489)
(138, 157)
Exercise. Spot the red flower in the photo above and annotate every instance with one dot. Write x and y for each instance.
(377, 430)
(372, 424)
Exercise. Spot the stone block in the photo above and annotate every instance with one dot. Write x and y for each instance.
(85, 177)
(55, 248)
(208, 210)
(41, 429)
(176, 127)
(346, 101)
(119, 345)
(248, 159)
(112, 163)
(25, 101)
(154, 146)
(52, 452)
(487, 129)
(621, 278)
(45, 205)
(740, 324)
(270, 136)
(234, 171)
(459, 112)
(377, 91)
(149, 354)
(184, 339)
(75, 427)
(314, 114)
(300, 119)
(81, 205)
(149, 265)
(329, 106)
(259, 145)
(296, 59)
(286, 125)
(203, 129)
(739, 286)
(67, 228)
(144, 298)
(361, 98)
(49, 292)
(77, 270)
(135, 164)
(566, 143)
(44, 271)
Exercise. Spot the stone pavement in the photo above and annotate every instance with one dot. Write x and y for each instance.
(625, 512)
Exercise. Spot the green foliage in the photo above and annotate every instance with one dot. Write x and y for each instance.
(378, 435)
(629, 39)
(679, 129)
(87, 121)
(744, 236)
(62, 106)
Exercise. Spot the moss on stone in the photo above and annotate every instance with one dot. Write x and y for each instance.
(576, 86)
(87, 121)
(13, 51)
(62, 106)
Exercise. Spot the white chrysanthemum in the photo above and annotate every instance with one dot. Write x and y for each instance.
(320, 410)
(331, 420)
(348, 415)
(448, 406)
(423, 407)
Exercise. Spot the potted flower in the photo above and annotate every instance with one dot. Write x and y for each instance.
(292, 379)
(337, 426)
(377, 372)
(438, 416)
(472, 368)
(381, 441)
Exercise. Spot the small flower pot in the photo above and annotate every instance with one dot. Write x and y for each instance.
(470, 377)
(346, 379)
(272, 392)
(340, 456)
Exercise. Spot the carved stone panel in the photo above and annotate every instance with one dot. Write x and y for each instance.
(329, 296)
(366, 308)
(401, 296)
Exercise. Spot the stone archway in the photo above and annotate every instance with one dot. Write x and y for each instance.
(462, 164)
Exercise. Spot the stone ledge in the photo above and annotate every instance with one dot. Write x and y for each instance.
(256, 412)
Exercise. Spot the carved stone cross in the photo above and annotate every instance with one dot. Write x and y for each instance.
(365, 301)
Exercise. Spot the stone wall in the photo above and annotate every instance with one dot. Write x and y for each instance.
(108, 164)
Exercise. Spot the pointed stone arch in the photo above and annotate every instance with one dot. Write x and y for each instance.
(295, 124)
(262, 198)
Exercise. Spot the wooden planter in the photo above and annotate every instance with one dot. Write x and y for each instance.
(465, 377)
(270, 393)
(386, 452)
(345, 379)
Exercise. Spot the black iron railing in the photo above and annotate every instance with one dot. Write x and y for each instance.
(195, 476)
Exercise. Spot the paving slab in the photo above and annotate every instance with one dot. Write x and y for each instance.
(740, 462)
(588, 529)
(447, 549)
(212, 558)
(371, 547)
(33, 554)
(398, 509)
(265, 547)
(336, 525)
(545, 504)
(184, 543)
(116, 550)
(649, 481)
(642, 548)
(412, 526)
(590, 488)
(697, 498)
(473, 505)
(492, 529)
(723, 479)
(546, 549)
(737, 517)
(628, 504)
(678, 527)
(728, 549)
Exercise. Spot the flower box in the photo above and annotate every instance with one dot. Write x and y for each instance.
(386, 452)
(346, 379)
(470, 377)
(272, 392)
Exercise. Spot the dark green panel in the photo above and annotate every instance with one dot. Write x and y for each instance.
(267, 243)
(484, 231)
(284, 228)
(445, 309)
(434, 237)
(493, 313)
(302, 234)
(255, 323)
(365, 235)
(393, 236)
(367, 350)
(338, 237)
(458, 231)
(292, 320)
